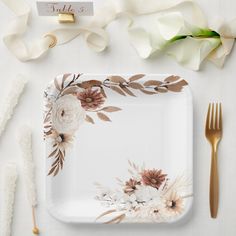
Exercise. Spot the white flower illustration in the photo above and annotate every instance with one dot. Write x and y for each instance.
(67, 114)
(146, 193)
(128, 202)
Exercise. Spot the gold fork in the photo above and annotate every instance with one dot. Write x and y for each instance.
(213, 132)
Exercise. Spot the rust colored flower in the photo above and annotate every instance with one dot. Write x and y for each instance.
(153, 178)
(131, 186)
(91, 99)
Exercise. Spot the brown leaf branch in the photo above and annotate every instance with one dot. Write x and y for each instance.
(115, 220)
(61, 87)
(123, 87)
(101, 115)
(59, 156)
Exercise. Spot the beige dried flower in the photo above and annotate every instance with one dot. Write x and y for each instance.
(131, 186)
(174, 204)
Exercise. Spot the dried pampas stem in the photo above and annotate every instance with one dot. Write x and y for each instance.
(25, 141)
(9, 186)
(11, 101)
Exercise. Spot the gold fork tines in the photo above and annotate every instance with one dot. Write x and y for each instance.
(213, 132)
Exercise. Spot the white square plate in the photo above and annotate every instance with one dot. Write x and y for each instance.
(119, 148)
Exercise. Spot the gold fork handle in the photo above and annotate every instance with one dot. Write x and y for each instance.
(214, 184)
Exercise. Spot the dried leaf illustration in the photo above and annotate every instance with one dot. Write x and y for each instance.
(103, 117)
(65, 76)
(116, 220)
(135, 85)
(105, 213)
(46, 119)
(53, 153)
(153, 83)
(136, 77)
(63, 154)
(119, 181)
(57, 84)
(54, 145)
(111, 109)
(47, 133)
(55, 162)
(161, 89)
(70, 90)
(171, 79)
(56, 171)
(182, 82)
(180, 182)
(175, 87)
(59, 155)
(89, 119)
(118, 90)
(73, 80)
(90, 83)
(148, 92)
(61, 163)
(52, 170)
(47, 126)
(130, 163)
(125, 89)
(116, 79)
(103, 92)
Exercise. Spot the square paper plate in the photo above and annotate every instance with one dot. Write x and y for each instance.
(119, 148)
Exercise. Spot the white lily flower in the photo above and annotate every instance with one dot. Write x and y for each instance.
(141, 41)
(187, 43)
(190, 52)
(173, 24)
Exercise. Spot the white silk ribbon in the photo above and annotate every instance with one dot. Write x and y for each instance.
(146, 40)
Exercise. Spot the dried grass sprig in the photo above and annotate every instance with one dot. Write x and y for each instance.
(9, 185)
(25, 141)
(11, 101)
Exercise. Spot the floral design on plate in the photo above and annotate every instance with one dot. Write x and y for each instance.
(140, 200)
(91, 99)
(70, 101)
(67, 114)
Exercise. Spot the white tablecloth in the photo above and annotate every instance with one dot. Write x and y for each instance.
(209, 84)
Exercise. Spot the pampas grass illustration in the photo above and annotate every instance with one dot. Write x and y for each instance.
(11, 101)
(25, 141)
(9, 186)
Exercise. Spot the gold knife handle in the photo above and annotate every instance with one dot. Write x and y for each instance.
(214, 184)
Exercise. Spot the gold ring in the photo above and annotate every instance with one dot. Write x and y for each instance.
(53, 40)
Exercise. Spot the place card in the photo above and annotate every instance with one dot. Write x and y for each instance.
(53, 8)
